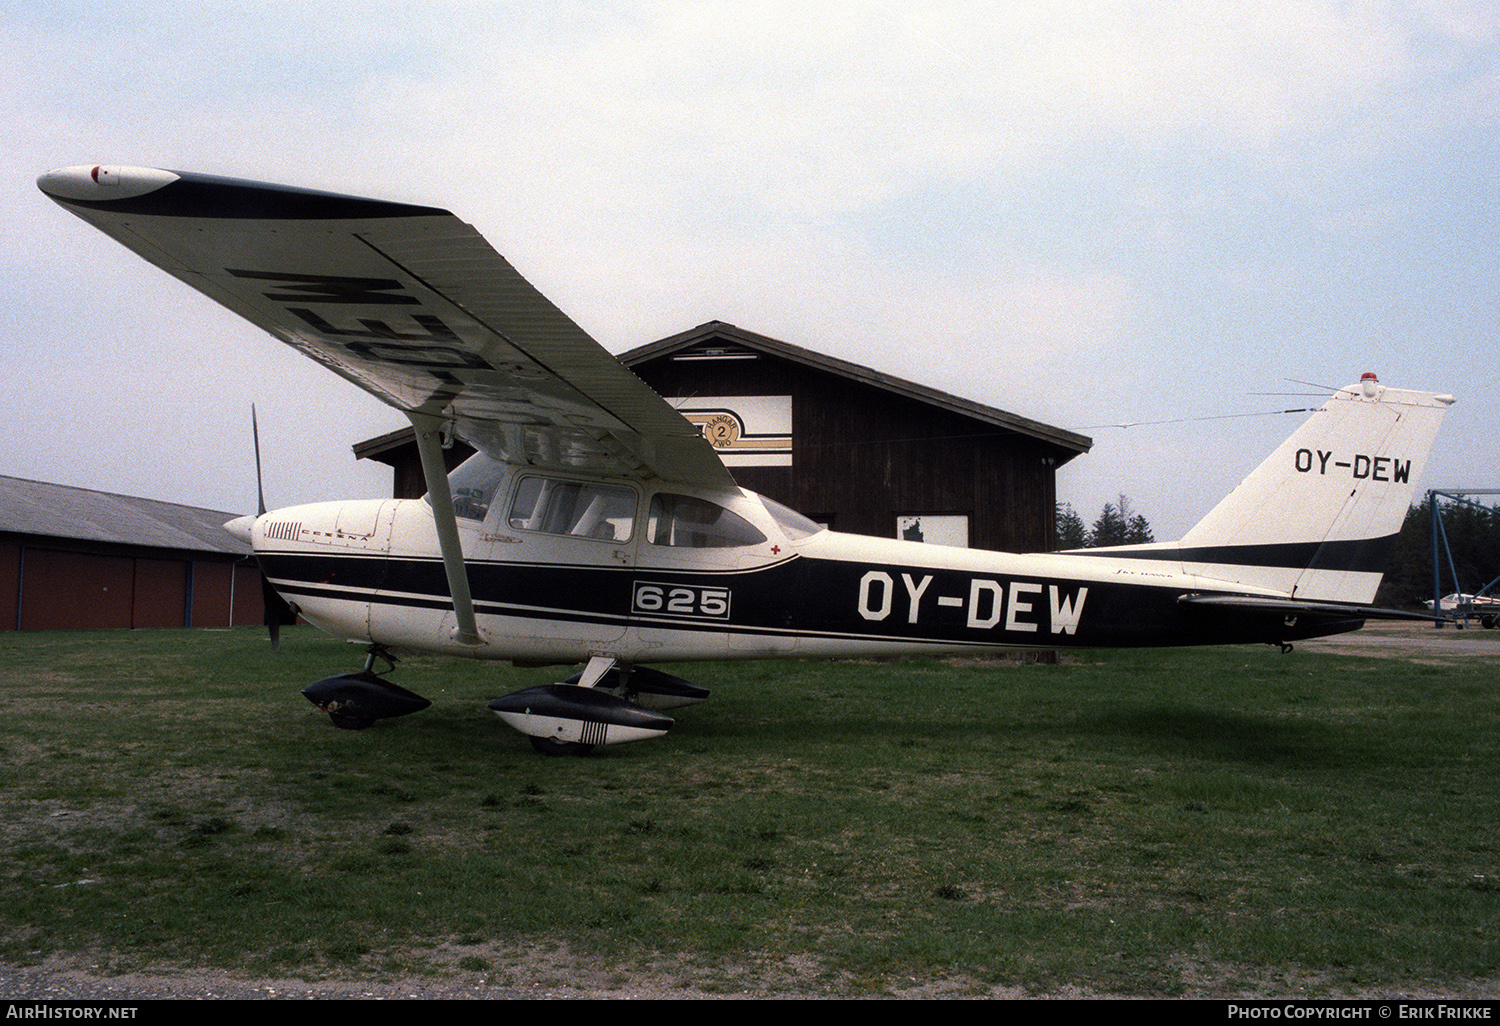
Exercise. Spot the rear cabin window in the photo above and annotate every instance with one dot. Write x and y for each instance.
(582, 509)
(793, 523)
(685, 521)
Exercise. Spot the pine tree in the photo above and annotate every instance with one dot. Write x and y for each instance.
(1071, 533)
(1117, 525)
(1109, 529)
(1138, 531)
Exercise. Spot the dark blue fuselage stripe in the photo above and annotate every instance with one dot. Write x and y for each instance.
(1368, 555)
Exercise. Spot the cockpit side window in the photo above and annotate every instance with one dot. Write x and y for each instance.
(682, 520)
(582, 509)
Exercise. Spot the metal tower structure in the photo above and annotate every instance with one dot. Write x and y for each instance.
(1465, 603)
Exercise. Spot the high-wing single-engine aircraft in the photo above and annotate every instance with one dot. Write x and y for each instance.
(596, 526)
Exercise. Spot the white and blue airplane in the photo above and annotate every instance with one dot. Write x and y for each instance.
(596, 525)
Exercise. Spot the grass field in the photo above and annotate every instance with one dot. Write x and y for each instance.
(1219, 821)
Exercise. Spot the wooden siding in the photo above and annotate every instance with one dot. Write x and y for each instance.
(862, 457)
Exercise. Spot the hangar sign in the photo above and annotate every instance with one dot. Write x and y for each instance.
(745, 430)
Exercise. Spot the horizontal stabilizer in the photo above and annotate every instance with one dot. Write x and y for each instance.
(1297, 607)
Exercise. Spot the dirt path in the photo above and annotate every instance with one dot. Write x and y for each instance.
(1409, 640)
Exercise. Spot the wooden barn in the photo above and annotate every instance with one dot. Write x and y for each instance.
(77, 558)
(855, 449)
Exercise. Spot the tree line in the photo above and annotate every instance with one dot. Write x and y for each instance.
(1117, 524)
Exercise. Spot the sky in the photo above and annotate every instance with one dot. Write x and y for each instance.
(1156, 223)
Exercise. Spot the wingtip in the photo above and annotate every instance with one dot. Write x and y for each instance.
(102, 183)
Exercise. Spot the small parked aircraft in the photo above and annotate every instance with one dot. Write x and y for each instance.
(1459, 600)
(596, 525)
(1462, 606)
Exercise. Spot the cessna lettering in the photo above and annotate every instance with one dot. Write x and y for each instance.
(595, 526)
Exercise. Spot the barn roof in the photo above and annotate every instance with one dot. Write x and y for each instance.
(721, 340)
(82, 514)
(717, 339)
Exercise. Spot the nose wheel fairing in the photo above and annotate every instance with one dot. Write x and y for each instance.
(353, 701)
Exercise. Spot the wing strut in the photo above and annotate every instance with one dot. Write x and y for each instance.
(430, 446)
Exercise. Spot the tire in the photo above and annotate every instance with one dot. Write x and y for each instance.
(553, 747)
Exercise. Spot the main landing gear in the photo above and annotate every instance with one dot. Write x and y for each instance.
(607, 703)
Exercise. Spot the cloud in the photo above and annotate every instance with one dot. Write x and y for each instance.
(817, 112)
(1050, 205)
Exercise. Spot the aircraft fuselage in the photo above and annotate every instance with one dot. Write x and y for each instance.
(370, 571)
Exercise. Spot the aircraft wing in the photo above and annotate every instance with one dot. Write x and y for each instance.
(407, 302)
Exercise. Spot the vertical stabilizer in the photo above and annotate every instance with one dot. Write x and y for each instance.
(1318, 519)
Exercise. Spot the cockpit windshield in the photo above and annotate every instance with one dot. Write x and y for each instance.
(474, 484)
